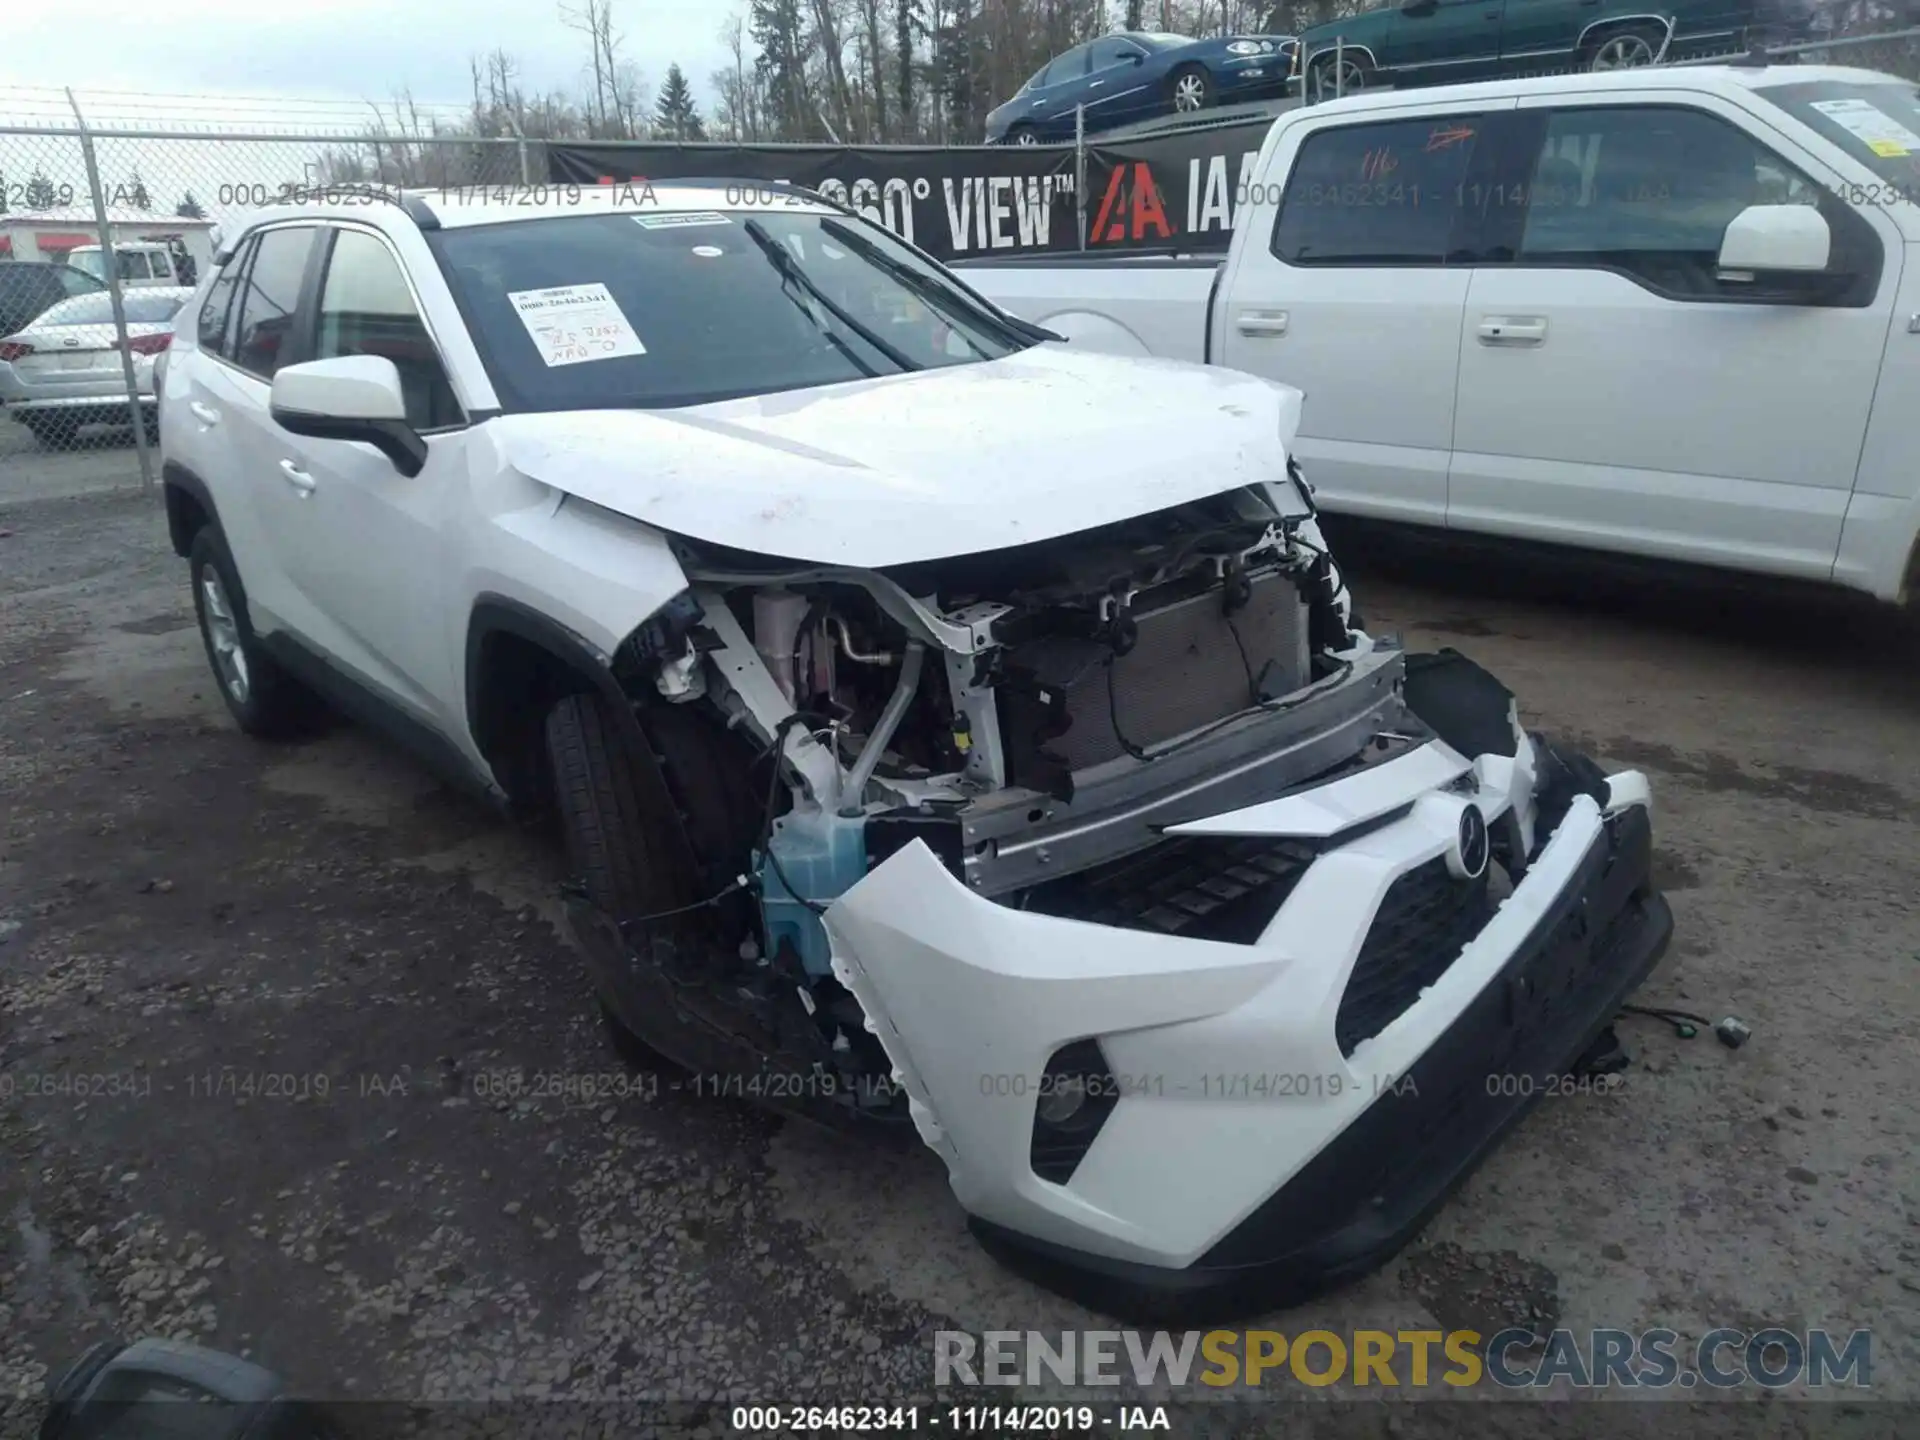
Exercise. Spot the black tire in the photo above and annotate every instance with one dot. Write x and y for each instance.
(1647, 40)
(598, 800)
(1196, 77)
(268, 702)
(1023, 134)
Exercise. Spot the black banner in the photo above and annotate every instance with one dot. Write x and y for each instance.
(1180, 189)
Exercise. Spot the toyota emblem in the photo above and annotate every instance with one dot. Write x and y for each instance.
(1470, 847)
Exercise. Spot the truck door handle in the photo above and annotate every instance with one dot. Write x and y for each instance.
(1512, 330)
(1261, 322)
(296, 477)
(205, 414)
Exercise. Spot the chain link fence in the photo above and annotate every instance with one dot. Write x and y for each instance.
(104, 231)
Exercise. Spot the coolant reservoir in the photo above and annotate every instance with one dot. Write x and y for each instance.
(822, 856)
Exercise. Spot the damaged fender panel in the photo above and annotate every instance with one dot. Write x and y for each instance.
(963, 991)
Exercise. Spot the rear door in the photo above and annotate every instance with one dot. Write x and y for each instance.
(1349, 283)
(1049, 105)
(232, 429)
(1615, 391)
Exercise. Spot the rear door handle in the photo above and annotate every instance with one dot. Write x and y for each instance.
(1261, 322)
(1512, 330)
(296, 477)
(205, 414)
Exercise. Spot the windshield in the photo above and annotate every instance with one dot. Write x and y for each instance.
(143, 308)
(1876, 122)
(659, 308)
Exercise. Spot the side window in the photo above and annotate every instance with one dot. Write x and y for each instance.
(1039, 79)
(1380, 194)
(133, 266)
(213, 331)
(1650, 190)
(366, 309)
(265, 303)
(1111, 52)
(77, 282)
(1070, 66)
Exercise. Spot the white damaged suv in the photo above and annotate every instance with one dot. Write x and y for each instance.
(953, 733)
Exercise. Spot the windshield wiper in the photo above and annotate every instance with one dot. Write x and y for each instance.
(790, 269)
(927, 288)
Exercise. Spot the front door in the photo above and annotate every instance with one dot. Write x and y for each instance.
(1048, 107)
(1541, 34)
(1348, 294)
(1616, 392)
(1436, 42)
(364, 545)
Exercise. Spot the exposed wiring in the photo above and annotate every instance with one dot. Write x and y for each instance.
(738, 884)
(1113, 715)
(1685, 1023)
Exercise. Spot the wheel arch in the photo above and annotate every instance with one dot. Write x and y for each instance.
(189, 505)
(1598, 30)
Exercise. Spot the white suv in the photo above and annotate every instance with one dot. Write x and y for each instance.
(951, 730)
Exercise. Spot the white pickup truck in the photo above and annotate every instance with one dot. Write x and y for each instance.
(1664, 312)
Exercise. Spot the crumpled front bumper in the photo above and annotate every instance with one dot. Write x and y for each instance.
(1248, 1161)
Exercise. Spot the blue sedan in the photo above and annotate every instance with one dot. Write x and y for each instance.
(1135, 74)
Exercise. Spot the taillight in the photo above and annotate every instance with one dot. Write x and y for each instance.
(14, 350)
(149, 344)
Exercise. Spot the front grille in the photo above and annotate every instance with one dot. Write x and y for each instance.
(1198, 887)
(1191, 664)
(1425, 921)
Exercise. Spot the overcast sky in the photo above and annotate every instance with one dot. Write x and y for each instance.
(339, 49)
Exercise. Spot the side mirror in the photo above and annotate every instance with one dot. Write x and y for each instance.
(354, 397)
(1776, 239)
(1136, 57)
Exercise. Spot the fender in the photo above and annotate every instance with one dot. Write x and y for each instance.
(494, 614)
(177, 480)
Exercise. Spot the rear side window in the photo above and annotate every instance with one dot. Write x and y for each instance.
(265, 302)
(77, 282)
(1380, 194)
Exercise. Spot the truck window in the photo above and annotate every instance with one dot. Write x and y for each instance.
(1379, 194)
(1649, 190)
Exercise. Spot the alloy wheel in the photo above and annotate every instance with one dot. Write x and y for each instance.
(1623, 52)
(1189, 92)
(223, 636)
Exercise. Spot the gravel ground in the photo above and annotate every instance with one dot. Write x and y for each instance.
(256, 1003)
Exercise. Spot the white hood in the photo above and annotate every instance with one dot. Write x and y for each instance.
(927, 464)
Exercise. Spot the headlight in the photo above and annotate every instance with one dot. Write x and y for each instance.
(1246, 47)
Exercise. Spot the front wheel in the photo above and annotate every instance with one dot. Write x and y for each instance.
(1192, 90)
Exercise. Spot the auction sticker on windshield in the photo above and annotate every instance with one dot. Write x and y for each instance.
(682, 220)
(572, 323)
(1877, 130)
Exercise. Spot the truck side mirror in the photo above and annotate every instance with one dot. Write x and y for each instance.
(1763, 239)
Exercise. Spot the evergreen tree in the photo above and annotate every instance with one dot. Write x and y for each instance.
(40, 192)
(134, 192)
(675, 116)
(190, 208)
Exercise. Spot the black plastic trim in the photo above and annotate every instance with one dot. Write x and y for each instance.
(1370, 1189)
(175, 476)
(414, 206)
(397, 440)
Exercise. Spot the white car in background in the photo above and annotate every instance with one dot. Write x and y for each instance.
(1670, 312)
(952, 732)
(67, 368)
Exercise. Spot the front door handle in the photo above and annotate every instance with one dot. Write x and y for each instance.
(1512, 330)
(1096, 84)
(296, 477)
(205, 414)
(1261, 322)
